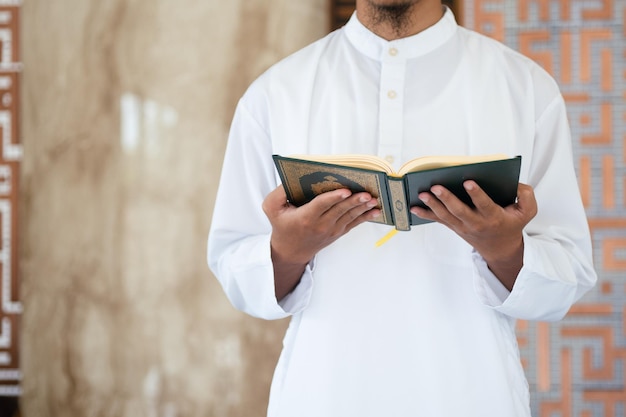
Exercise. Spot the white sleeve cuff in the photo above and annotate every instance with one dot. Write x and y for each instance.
(488, 287)
(248, 280)
(298, 299)
(545, 287)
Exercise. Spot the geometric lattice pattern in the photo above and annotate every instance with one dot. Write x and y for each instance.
(10, 157)
(576, 367)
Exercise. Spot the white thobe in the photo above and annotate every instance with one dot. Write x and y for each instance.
(419, 326)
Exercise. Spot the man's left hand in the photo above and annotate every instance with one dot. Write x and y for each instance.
(494, 231)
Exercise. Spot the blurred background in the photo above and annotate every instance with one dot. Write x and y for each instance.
(114, 117)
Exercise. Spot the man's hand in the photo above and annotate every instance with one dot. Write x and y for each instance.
(298, 233)
(494, 231)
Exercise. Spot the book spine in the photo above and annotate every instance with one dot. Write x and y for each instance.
(397, 198)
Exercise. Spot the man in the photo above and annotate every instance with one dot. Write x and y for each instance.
(424, 325)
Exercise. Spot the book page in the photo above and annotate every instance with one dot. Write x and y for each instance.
(362, 161)
(432, 162)
(376, 163)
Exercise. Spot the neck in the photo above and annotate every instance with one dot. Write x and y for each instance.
(395, 19)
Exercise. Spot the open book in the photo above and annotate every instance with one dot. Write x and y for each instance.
(306, 176)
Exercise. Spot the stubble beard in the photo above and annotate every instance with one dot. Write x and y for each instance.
(395, 14)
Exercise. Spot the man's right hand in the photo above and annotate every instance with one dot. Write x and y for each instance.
(298, 233)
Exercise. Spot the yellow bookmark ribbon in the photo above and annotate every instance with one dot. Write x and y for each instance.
(385, 238)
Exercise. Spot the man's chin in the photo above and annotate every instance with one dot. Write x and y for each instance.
(392, 3)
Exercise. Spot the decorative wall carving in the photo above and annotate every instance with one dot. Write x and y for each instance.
(575, 367)
(10, 157)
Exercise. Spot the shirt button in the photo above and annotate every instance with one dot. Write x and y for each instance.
(393, 51)
(392, 94)
(389, 158)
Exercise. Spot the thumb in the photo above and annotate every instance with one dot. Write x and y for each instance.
(275, 201)
(526, 201)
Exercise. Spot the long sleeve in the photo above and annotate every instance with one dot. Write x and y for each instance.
(239, 240)
(558, 264)
(400, 329)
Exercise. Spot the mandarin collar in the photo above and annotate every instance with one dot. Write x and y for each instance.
(413, 46)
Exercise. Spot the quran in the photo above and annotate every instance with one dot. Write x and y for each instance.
(306, 176)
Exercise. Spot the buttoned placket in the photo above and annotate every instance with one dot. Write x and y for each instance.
(391, 104)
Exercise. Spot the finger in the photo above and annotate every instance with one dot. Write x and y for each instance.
(326, 201)
(424, 213)
(323, 203)
(482, 202)
(368, 215)
(428, 213)
(447, 207)
(351, 208)
(333, 210)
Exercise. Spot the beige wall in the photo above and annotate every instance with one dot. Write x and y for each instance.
(125, 112)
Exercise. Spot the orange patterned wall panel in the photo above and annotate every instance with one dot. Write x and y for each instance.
(488, 20)
(611, 247)
(527, 43)
(576, 367)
